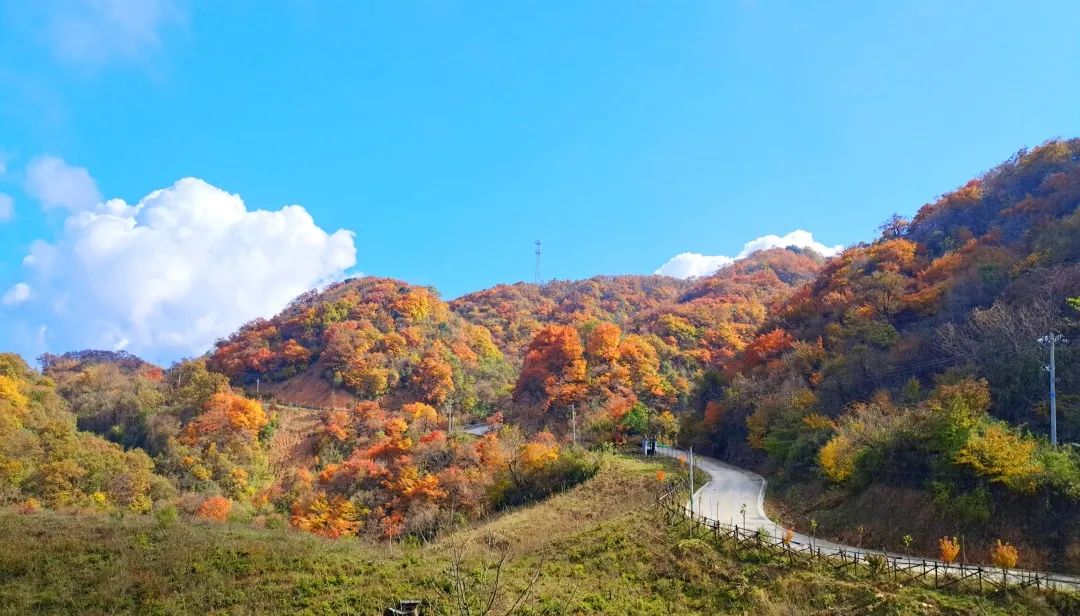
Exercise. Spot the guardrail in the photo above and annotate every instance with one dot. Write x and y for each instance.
(901, 569)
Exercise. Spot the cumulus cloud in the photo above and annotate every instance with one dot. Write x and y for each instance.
(692, 264)
(93, 32)
(796, 239)
(16, 294)
(57, 184)
(7, 207)
(170, 274)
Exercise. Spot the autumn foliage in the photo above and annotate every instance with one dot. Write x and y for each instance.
(46, 461)
(328, 517)
(948, 549)
(1004, 555)
(215, 509)
(372, 338)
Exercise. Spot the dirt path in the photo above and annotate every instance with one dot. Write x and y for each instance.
(293, 444)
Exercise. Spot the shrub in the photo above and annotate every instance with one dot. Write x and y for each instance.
(30, 505)
(1062, 470)
(1004, 555)
(876, 563)
(215, 508)
(568, 469)
(166, 515)
(970, 509)
(949, 549)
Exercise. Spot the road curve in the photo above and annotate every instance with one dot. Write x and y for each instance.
(736, 496)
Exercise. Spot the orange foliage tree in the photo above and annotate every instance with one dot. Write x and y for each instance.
(228, 415)
(433, 379)
(215, 508)
(554, 370)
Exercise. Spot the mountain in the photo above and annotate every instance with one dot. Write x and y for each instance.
(369, 339)
(910, 369)
(385, 340)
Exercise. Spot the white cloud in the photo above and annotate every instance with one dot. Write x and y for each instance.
(57, 184)
(170, 274)
(796, 239)
(93, 32)
(16, 294)
(692, 264)
(7, 207)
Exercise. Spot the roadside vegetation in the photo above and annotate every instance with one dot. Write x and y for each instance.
(599, 548)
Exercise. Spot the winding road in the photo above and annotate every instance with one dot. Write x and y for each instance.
(735, 496)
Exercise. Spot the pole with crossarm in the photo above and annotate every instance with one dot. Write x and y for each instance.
(1052, 340)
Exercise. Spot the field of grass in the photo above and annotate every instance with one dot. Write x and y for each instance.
(596, 549)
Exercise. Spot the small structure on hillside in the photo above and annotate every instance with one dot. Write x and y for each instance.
(407, 607)
(648, 446)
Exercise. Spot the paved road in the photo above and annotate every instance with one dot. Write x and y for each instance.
(477, 430)
(730, 488)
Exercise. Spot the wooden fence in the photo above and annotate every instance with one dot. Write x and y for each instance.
(898, 568)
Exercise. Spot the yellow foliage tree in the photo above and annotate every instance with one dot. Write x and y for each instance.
(540, 452)
(9, 390)
(817, 421)
(665, 426)
(328, 517)
(996, 452)
(838, 458)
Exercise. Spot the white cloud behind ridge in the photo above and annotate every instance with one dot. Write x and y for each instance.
(693, 265)
(169, 275)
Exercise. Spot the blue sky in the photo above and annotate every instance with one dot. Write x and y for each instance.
(448, 136)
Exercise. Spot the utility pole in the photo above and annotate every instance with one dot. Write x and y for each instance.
(691, 480)
(573, 419)
(537, 262)
(1052, 339)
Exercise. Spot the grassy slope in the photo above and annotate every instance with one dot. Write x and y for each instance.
(880, 516)
(599, 546)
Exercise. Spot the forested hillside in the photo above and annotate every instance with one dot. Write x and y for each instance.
(913, 361)
(370, 339)
(908, 366)
(617, 349)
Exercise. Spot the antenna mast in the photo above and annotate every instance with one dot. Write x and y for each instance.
(537, 262)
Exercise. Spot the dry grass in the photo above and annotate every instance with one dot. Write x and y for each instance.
(599, 548)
